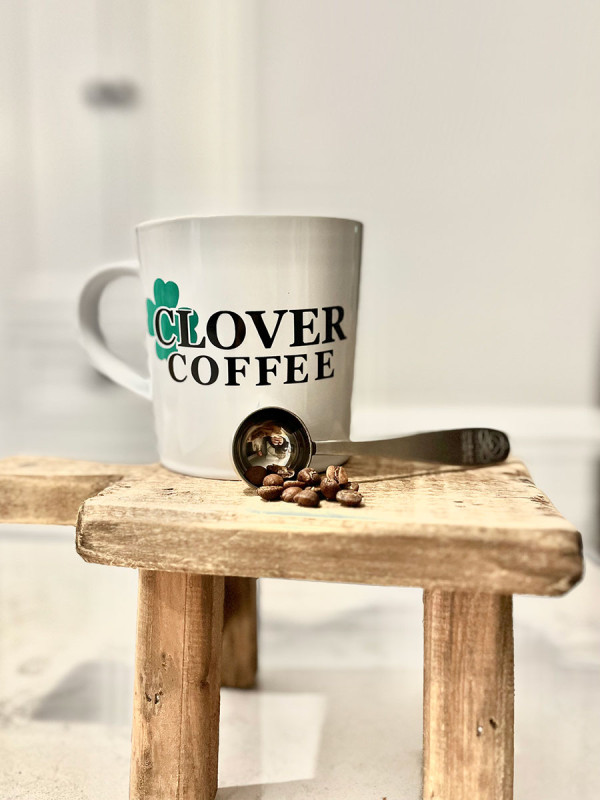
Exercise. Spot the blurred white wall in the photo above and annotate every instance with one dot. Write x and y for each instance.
(465, 135)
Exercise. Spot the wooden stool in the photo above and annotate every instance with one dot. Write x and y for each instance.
(470, 538)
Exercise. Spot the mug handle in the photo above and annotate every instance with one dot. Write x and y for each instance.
(91, 334)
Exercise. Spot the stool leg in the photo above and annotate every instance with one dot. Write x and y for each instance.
(468, 696)
(240, 647)
(175, 738)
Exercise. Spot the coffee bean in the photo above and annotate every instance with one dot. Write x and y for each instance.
(308, 488)
(255, 475)
(338, 474)
(349, 498)
(270, 492)
(310, 476)
(286, 473)
(329, 488)
(307, 497)
(273, 480)
(289, 494)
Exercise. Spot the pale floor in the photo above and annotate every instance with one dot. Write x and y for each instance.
(337, 713)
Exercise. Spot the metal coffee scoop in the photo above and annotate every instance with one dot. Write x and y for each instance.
(277, 436)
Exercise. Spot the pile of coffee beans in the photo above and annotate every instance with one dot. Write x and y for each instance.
(307, 488)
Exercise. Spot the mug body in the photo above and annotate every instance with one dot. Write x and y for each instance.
(246, 312)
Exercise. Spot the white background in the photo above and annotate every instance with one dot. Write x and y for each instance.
(465, 135)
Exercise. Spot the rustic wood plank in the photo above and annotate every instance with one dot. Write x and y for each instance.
(488, 529)
(49, 491)
(422, 525)
(468, 696)
(240, 642)
(175, 736)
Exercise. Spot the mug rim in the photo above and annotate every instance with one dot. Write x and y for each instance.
(188, 217)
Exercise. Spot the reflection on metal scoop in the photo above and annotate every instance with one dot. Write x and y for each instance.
(277, 436)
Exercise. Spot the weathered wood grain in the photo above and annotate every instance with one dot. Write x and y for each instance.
(468, 697)
(422, 525)
(175, 737)
(49, 491)
(240, 634)
(485, 529)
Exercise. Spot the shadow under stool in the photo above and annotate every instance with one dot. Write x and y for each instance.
(471, 538)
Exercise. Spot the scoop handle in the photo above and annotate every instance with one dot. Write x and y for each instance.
(463, 446)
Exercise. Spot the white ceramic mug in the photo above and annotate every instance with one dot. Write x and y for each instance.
(243, 312)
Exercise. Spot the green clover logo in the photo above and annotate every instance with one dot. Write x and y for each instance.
(166, 295)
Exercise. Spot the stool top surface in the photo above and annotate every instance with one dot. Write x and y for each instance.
(488, 529)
